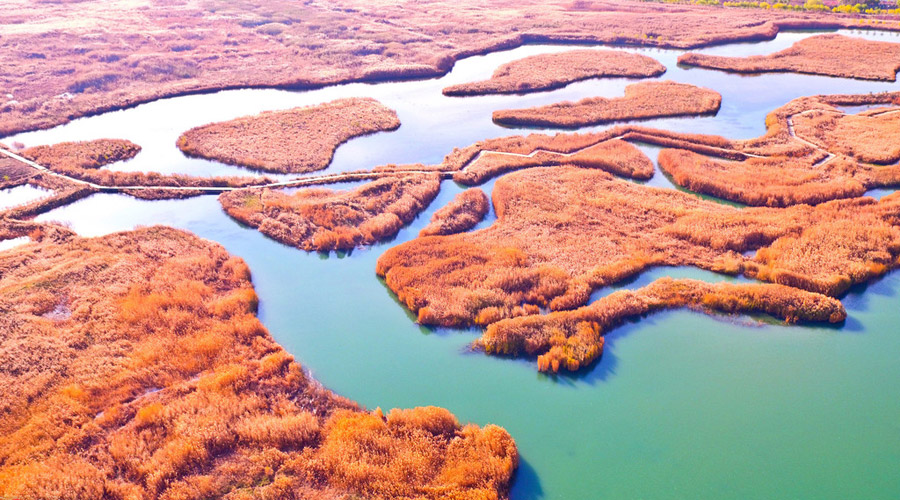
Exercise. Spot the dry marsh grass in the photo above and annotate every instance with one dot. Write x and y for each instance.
(773, 182)
(297, 140)
(135, 367)
(607, 150)
(562, 232)
(641, 101)
(110, 55)
(571, 340)
(552, 71)
(831, 55)
(462, 213)
(83, 155)
(324, 219)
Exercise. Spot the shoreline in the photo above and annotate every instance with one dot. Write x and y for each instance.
(374, 75)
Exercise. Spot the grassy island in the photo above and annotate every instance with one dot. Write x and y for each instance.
(553, 71)
(642, 101)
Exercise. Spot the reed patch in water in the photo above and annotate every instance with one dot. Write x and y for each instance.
(552, 71)
(571, 340)
(641, 101)
(297, 140)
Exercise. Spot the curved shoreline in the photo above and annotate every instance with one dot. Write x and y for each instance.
(445, 65)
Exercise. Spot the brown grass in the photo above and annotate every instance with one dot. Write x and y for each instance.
(562, 232)
(868, 137)
(297, 140)
(72, 156)
(825, 249)
(135, 367)
(462, 213)
(832, 55)
(642, 101)
(774, 182)
(570, 340)
(553, 71)
(324, 219)
(116, 54)
(791, 171)
(36, 231)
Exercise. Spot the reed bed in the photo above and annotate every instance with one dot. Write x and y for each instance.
(641, 101)
(83, 155)
(462, 213)
(553, 71)
(614, 156)
(297, 140)
(324, 219)
(82, 161)
(13, 173)
(868, 137)
(772, 182)
(136, 368)
(562, 232)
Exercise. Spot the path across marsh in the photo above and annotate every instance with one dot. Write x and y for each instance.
(445, 173)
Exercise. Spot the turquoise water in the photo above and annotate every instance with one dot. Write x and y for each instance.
(681, 405)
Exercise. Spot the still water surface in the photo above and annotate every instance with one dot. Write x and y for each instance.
(681, 405)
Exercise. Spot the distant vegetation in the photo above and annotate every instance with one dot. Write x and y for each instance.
(324, 219)
(122, 54)
(135, 367)
(642, 101)
(832, 55)
(550, 71)
(298, 140)
(871, 7)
